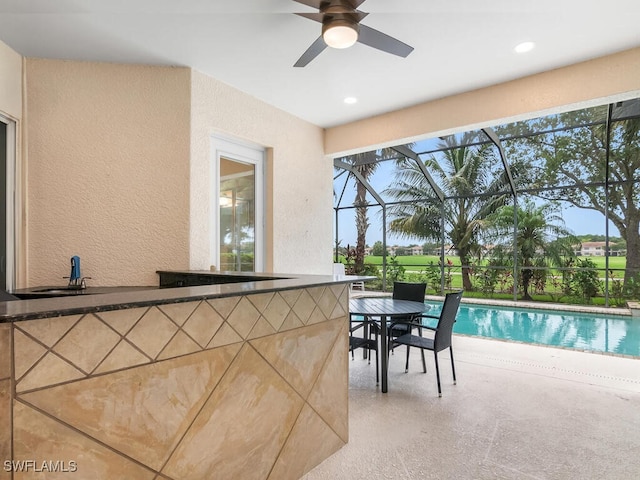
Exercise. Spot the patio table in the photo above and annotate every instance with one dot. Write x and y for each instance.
(387, 309)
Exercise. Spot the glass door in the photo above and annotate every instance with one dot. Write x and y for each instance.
(238, 206)
(237, 216)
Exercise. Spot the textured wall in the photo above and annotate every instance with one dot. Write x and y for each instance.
(108, 170)
(250, 387)
(584, 84)
(300, 218)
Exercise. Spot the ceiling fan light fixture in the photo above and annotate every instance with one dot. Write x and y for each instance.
(340, 33)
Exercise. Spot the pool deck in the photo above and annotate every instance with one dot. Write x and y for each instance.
(518, 412)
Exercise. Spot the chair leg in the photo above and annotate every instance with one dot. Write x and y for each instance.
(435, 356)
(377, 368)
(453, 368)
(406, 365)
(424, 364)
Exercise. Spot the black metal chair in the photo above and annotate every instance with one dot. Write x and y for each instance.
(441, 339)
(368, 341)
(414, 292)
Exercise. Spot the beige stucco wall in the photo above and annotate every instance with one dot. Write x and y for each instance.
(299, 176)
(611, 78)
(107, 170)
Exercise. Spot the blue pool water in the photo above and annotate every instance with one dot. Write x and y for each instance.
(609, 333)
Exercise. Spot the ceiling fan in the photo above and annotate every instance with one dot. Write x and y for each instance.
(341, 28)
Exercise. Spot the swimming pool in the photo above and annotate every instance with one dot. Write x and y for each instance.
(616, 334)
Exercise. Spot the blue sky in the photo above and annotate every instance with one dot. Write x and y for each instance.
(579, 221)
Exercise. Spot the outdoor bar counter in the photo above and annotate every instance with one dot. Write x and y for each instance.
(230, 380)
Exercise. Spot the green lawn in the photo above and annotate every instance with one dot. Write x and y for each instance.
(416, 262)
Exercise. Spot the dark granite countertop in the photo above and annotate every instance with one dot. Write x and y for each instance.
(115, 298)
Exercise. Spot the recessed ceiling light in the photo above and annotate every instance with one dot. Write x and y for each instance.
(524, 47)
(350, 100)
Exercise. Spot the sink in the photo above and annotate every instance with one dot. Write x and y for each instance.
(61, 290)
(58, 292)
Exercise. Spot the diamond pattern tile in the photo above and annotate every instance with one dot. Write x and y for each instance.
(262, 328)
(329, 397)
(122, 320)
(276, 311)
(152, 332)
(123, 356)
(299, 356)
(50, 370)
(148, 409)
(233, 372)
(251, 404)
(310, 442)
(225, 336)
(203, 324)
(243, 317)
(304, 306)
(224, 306)
(5, 351)
(180, 344)
(327, 302)
(291, 296)
(87, 343)
(179, 312)
(261, 300)
(27, 352)
(38, 437)
(48, 330)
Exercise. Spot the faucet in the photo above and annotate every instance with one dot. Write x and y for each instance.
(76, 280)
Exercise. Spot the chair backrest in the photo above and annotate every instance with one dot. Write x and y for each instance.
(409, 291)
(338, 269)
(447, 318)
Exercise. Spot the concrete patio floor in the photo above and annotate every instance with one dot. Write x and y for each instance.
(518, 412)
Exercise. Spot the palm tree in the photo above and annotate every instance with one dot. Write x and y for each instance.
(464, 172)
(541, 238)
(365, 164)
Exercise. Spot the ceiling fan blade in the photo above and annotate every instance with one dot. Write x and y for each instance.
(312, 52)
(313, 16)
(319, 17)
(310, 3)
(382, 41)
(317, 3)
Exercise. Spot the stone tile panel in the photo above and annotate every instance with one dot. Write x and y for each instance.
(152, 332)
(27, 353)
(87, 343)
(141, 412)
(310, 442)
(243, 317)
(48, 330)
(123, 356)
(179, 312)
(203, 324)
(50, 370)
(329, 397)
(5, 351)
(251, 404)
(38, 437)
(122, 320)
(298, 355)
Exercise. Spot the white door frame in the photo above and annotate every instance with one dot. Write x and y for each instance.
(11, 203)
(243, 152)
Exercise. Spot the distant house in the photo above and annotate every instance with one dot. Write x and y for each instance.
(597, 249)
(416, 250)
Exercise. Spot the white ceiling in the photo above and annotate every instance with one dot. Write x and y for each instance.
(252, 45)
